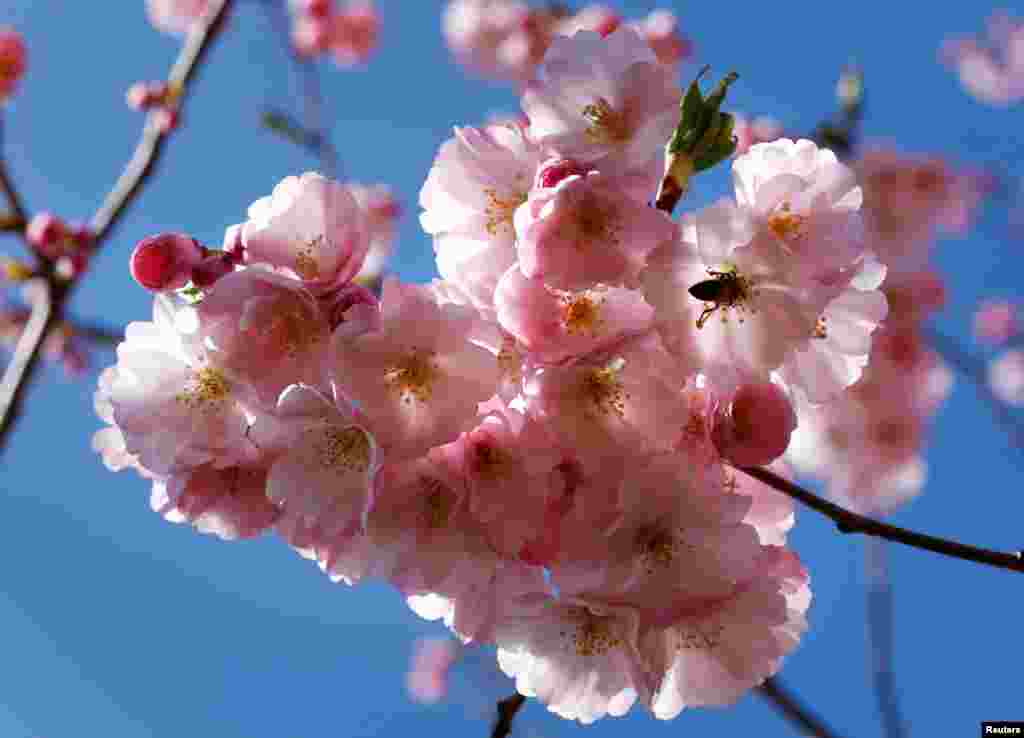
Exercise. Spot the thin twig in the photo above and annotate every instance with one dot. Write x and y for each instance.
(313, 127)
(150, 147)
(880, 636)
(849, 522)
(18, 212)
(794, 710)
(27, 352)
(52, 291)
(507, 709)
(975, 371)
(97, 333)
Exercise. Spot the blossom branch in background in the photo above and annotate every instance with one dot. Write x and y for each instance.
(793, 710)
(50, 289)
(849, 522)
(880, 636)
(312, 134)
(975, 371)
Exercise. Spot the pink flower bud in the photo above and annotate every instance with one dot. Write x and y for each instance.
(212, 268)
(47, 233)
(166, 261)
(12, 60)
(311, 35)
(138, 96)
(317, 8)
(167, 119)
(996, 322)
(756, 427)
(553, 171)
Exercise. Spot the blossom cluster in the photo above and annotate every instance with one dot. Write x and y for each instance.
(538, 448)
(12, 61)
(507, 39)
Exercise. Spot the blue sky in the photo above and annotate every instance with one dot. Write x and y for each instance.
(114, 623)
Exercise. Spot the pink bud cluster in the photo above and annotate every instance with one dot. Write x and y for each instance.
(538, 447)
(159, 97)
(348, 34)
(68, 246)
(175, 17)
(507, 39)
(990, 70)
(12, 61)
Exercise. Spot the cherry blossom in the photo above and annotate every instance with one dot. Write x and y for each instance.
(1006, 377)
(12, 61)
(996, 322)
(175, 16)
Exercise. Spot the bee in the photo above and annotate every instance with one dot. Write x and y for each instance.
(724, 289)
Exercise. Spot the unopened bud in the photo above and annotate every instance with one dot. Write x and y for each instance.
(553, 171)
(212, 268)
(47, 233)
(756, 427)
(165, 262)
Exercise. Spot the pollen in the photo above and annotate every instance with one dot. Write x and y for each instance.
(787, 225)
(820, 328)
(413, 376)
(699, 637)
(581, 313)
(306, 264)
(438, 503)
(500, 210)
(206, 390)
(341, 449)
(607, 125)
(294, 333)
(603, 389)
(658, 548)
(593, 636)
(489, 461)
(510, 362)
(595, 221)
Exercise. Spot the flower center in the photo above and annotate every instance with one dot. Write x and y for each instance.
(293, 332)
(602, 388)
(593, 636)
(500, 211)
(698, 636)
(205, 391)
(438, 503)
(607, 125)
(820, 328)
(595, 221)
(413, 376)
(786, 225)
(341, 449)
(657, 547)
(581, 313)
(306, 264)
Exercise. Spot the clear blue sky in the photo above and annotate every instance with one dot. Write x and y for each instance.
(114, 623)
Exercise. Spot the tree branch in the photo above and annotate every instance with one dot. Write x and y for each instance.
(27, 353)
(51, 290)
(880, 636)
(507, 709)
(147, 153)
(97, 333)
(793, 710)
(850, 522)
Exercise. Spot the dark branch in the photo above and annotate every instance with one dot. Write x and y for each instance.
(507, 709)
(849, 522)
(96, 333)
(793, 710)
(880, 636)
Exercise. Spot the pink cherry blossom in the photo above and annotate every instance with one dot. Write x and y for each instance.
(324, 461)
(175, 16)
(354, 33)
(165, 262)
(556, 325)
(265, 330)
(661, 30)
(583, 231)
(381, 211)
(420, 376)
(176, 408)
(311, 228)
(747, 132)
(604, 101)
(714, 650)
(229, 503)
(495, 37)
(12, 61)
(578, 656)
(478, 180)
